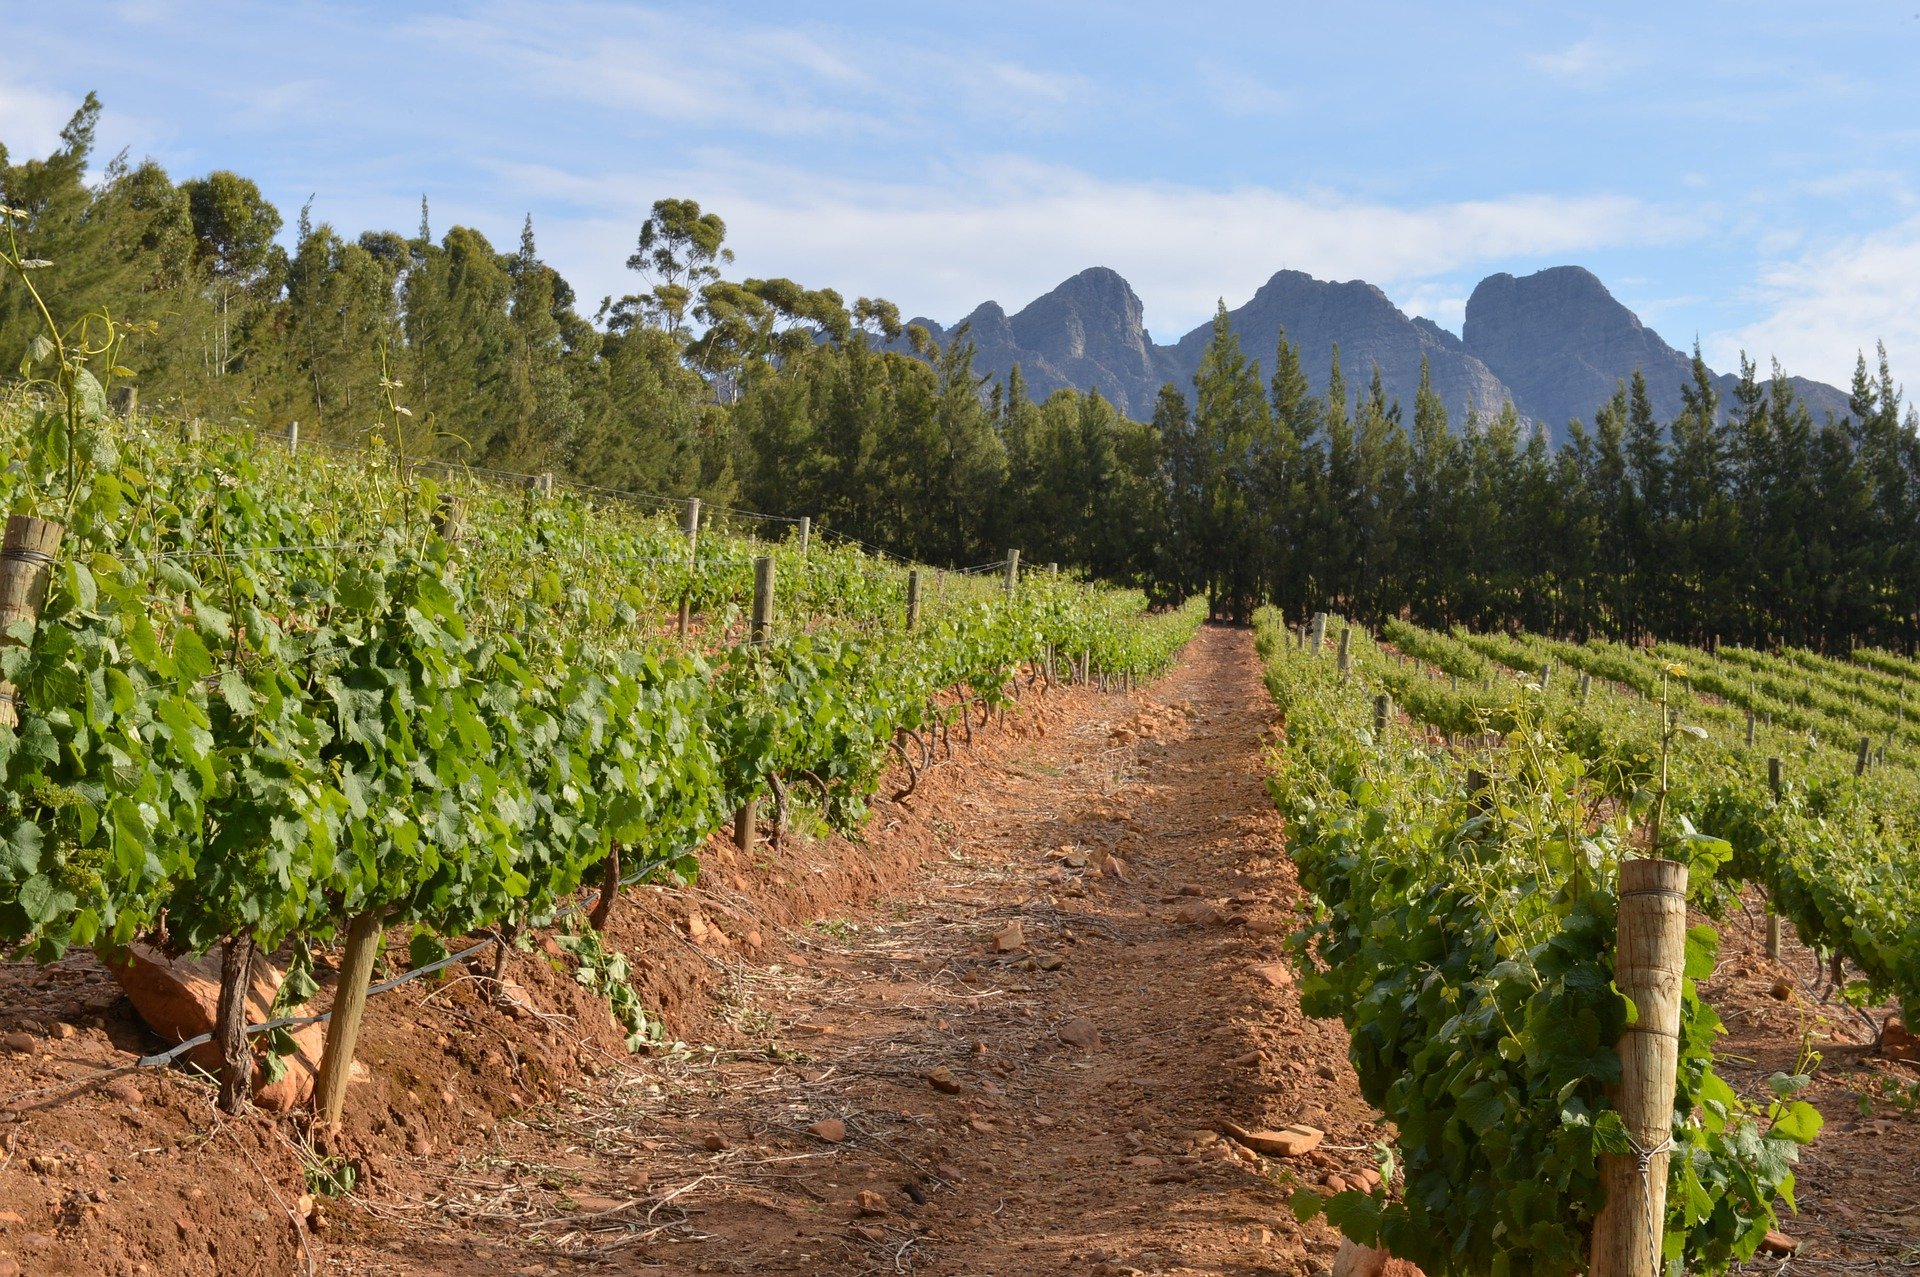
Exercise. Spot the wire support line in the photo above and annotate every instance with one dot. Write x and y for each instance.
(622, 494)
(462, 468)
(871, 548)
(163, 1058)
(749, 514)
(240, 552)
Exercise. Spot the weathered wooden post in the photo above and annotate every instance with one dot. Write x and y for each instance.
(762, 599)
(293, 437)
(1546, 675)
(126, 401)
(1346, 648)
(913, 597)
(690, 528)
(26, 567)
(1013, 571)
(1586, 687)
(746, 823)
(1749, 729)
(1649, 962)
(806, 532)
(349, 1005)
(1319, 637)
(448, 523)
(746, 819)
(1382, 709)
(1773, 919)
(690, 524)
(1860, 763)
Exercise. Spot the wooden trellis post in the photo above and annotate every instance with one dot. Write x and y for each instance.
(746, 820)
(690, 525)
(349, 1005)
(1773, 919)
(26, 565)
(1649, 963)
(762, 599)
(690, 528)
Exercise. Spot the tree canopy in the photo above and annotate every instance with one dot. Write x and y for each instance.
(1746, 519)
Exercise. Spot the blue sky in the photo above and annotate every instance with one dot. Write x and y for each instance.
(1744, 173)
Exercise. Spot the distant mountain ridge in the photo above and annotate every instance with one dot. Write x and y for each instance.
(1554, 344)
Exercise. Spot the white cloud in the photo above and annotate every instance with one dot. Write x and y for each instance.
(30, 118)
(1583, 60)
(716, 72)
(1830, 304)
(1440, 300)
(1855, 184)
(1010, 229)
(1238, 93)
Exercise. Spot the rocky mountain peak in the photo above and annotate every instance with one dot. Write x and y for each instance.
(1094, 316)
(1316, 314)
(1554, 343)
(1562, 343)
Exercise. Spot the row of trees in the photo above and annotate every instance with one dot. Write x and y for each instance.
(1747, 520)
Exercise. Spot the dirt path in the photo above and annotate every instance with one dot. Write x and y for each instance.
(1120, 878)
(908, 1084)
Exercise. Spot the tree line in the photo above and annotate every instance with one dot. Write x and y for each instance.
(1745, 520)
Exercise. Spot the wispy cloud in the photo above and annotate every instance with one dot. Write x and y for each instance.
(1444, 301)
(1854, 184)
(1588, 61)
(1828, 305)
(717, 72)
(891, 150)
(1238, 93)
(32, 117)
(1008, 229)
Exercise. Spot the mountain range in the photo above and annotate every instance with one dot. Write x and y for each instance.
(1554, 344)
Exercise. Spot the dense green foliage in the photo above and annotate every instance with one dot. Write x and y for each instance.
(1835, 850)
(271, 693)
(1466, 940)
(1745, 519)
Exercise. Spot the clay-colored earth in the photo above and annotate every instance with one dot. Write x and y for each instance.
(999, 1035)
